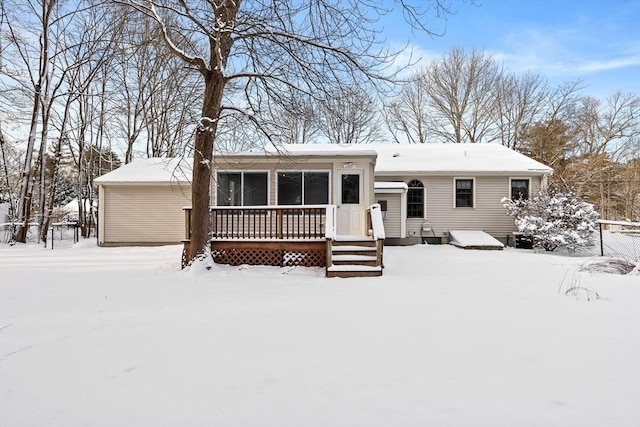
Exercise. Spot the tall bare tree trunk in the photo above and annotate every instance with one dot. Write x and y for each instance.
(42, 232)
(6, 175)
(202, 164)
(24, 201)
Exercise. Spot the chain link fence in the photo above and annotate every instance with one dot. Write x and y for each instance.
(620, 239)
(58, 232)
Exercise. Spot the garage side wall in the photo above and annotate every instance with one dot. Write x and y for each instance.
(142, 214)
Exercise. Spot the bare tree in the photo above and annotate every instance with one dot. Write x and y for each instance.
(27, 21)
(9, 163)
(608, 127)
(606, 136)
(407, 115)
(295, 118)
(40, 71)
(453, 99)
(172, 109)
(265, 47)
(461, 90)
(349, 116)
(519, 103)
(88, 45)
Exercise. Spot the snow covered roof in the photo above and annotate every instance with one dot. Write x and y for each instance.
(392, 159)
(154, 170)
(327, 150)
(396, 159)
(378, 185)
(74, 207)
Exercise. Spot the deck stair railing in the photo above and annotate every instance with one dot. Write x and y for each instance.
(358, 256)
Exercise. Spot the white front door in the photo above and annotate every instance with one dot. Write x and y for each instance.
(350, 213)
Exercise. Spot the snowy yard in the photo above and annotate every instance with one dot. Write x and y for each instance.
(447, 337)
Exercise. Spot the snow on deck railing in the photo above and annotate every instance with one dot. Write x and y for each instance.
(330, 225)
(377, 226)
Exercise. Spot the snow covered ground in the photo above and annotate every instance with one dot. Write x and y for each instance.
(447, 337)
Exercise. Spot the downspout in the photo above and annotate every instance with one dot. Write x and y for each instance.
(100, 222)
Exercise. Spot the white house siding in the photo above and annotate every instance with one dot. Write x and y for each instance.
(244, 163)
(143, 214)
(392, 223)
(487, 214)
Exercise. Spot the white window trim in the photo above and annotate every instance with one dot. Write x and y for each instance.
(517, 178)
(242, 172)
(473, 191)
(329, 184)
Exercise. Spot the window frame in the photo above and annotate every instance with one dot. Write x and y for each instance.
(423, 195)
(242, 172)
(303, 172)
(473, 191)
(511, 179)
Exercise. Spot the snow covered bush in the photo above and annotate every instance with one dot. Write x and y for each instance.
(553, 221)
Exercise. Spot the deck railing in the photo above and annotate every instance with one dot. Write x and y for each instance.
(268, 222)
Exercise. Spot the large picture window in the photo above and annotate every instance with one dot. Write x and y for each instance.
(242, 188)
(519, 189)
(464, 193)
(415, 199)
(303, 188)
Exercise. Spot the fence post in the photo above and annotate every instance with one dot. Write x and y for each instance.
(601, 243)
(51, 238)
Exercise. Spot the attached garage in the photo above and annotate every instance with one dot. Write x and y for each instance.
(141, 203)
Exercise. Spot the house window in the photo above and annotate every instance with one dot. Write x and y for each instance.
(242, 188)
(519, 189)
(415, 199)
(350, 189)
(464, 193)
(303, 188)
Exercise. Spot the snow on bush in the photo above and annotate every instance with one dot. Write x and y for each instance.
(555, 221)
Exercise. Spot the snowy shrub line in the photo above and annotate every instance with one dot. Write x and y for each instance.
(555, 221)
(609, 265)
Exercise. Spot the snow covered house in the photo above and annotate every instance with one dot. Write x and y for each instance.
(322, 204)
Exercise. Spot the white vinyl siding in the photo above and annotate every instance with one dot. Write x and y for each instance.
(144, 214)
(392, 223)
(487, 215)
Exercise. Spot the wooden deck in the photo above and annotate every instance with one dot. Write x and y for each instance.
(290, 236)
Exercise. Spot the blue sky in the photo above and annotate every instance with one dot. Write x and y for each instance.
(597, 41)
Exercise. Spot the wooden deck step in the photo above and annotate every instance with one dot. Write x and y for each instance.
(354, 256)
(352, 238)
(353, 271)
(353, 250)
(355, 259)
